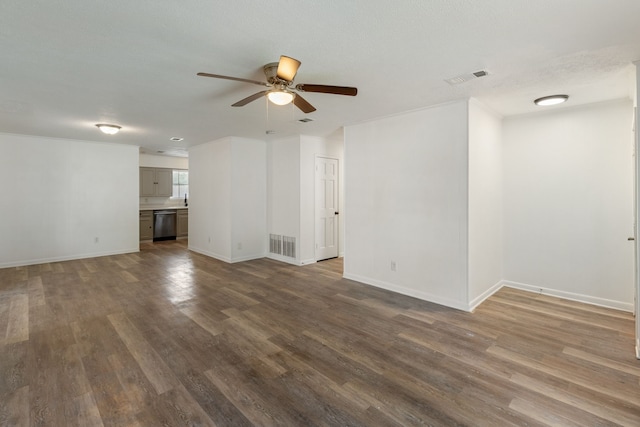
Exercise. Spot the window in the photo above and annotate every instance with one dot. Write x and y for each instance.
(180, 183)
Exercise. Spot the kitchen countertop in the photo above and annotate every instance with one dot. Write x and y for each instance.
(158, 208)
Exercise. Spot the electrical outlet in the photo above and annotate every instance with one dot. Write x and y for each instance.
(394, 266)
(209, 239)
(239, 245)
(96, 240)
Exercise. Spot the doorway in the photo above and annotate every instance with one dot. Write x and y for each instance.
(326, 208)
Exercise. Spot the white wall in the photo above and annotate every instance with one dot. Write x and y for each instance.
(283, 194)
(155, 161)
(248, 199)
(210, 201)
(568, 203)
(485, 202)
(406, 201)
(60, 195)
(227, 208)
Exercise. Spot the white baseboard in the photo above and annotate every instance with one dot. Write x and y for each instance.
(290, 260)
(486, 294)
(226, 258)
(281, 258)
(588, 299)
(246, 258)
(23, 263)
(425, 296)
(210, 254)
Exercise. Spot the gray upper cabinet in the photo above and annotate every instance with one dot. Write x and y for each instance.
(156, 182)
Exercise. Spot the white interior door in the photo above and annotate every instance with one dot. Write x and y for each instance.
(326, 208)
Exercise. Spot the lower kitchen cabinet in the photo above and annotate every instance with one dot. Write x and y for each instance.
(183, 223)
(146, 225)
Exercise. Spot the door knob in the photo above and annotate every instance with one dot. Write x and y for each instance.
(631, 238)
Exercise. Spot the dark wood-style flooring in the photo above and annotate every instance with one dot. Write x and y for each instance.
(166, 337)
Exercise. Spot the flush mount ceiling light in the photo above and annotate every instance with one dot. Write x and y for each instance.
(280, 97)
(176, 139)
(551, 100)
(109, 129)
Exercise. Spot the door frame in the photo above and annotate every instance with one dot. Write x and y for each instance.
(636, 220)
(636, 204)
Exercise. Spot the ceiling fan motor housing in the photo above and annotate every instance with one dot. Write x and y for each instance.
(270, 72)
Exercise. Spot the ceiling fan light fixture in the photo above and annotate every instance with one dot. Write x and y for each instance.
(280, 97)
(551, 100)
(287, 68)
(108, 129)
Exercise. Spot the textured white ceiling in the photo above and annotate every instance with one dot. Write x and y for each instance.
(69, 64)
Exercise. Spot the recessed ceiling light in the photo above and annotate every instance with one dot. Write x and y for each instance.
(551, 100)
(176, 139)
(109, 129)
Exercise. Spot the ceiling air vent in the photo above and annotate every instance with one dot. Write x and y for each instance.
(462, 78)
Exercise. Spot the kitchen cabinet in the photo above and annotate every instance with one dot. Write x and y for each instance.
(183, 223)
(156, 182)
(146, 225)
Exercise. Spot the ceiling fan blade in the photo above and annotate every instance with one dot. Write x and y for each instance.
(287, 68)
(238, 79)
(248, 99)
(336, 90)
(302, 104)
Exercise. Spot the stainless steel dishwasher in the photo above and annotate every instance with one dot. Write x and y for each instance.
(164, 225)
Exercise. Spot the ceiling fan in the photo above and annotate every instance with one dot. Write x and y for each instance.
(280, 77)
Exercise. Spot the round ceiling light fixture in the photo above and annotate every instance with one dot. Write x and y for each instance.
(551, 100)
(109, 129)
(280, 97)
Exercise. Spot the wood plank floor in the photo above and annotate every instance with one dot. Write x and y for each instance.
(166, 337)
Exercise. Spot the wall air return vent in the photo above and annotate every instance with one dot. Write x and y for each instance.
(275, 244)
(289, 246)
(462, 78)
(282, 245)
